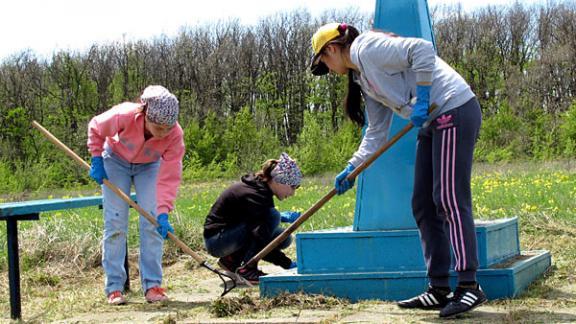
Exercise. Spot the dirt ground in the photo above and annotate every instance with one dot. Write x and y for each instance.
(193, 292)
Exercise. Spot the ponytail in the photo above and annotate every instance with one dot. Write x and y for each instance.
(265, 174)
(353, 99)
(352, 102)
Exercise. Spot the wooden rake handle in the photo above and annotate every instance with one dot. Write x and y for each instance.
(290, 229)
(119, 192)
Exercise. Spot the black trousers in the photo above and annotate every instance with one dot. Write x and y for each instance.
(442, 199)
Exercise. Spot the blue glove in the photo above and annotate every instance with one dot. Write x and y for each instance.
(293, 265)
(420, 109)
(164, 225)
(289, 216)
(341, 183)
(97, 171)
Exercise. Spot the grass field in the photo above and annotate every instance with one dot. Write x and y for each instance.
(62, 278)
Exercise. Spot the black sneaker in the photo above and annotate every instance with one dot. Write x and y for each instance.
(252, 275)
(432, 298)
(228, 263)
(465, 299)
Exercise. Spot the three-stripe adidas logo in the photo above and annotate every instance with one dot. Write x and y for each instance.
(466, 299)
(469, 299)
(427, 299)
(431, 299)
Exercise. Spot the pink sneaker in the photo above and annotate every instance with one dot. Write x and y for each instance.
(116, 298)
(156, 294)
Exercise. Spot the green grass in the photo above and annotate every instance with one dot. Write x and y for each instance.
(61, 251)
(515, 192)
(74, 235)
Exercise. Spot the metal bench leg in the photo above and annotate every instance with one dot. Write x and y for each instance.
(13, 268)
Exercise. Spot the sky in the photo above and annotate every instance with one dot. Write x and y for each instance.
(47, 26)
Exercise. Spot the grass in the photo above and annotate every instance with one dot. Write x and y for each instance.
(60, 253)
(246, 303)
(548, 191)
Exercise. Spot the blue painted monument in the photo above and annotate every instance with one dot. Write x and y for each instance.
(380, 256)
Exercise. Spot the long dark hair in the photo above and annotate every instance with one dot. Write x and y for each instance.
(353, 99)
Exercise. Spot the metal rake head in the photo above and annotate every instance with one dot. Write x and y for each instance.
(222, 275)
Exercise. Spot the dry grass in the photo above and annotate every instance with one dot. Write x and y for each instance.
(247, 303)
(57, 244)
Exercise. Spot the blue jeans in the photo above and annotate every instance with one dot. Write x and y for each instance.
(144, 176)
(235, 238)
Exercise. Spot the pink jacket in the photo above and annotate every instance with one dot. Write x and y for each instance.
(122, 127)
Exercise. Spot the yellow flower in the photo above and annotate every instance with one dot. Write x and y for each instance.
(527, 208)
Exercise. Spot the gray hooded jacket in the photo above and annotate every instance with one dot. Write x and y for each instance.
(389, 68)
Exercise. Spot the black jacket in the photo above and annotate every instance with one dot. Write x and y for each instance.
(246, 201)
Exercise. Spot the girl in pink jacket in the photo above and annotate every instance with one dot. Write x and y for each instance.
(141, 144)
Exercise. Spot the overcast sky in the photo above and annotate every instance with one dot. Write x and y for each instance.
(46, 26)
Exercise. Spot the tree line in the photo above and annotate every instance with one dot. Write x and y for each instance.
(246, 94)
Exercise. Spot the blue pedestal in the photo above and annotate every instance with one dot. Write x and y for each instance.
(389, 265)
(384, 192)
(505, 282)
(380, 256)
(398, 250)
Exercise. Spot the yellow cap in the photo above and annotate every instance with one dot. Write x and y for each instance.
(323, 35)
(320, 38)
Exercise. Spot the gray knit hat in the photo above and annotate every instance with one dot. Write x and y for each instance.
(161, 105)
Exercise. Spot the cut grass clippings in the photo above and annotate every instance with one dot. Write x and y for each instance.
(246, 303)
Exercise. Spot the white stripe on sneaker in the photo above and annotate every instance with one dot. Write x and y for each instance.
(428, 299)
(467, 302)
(471, 295)
(422, 300)
(434, 299)
(469, 299)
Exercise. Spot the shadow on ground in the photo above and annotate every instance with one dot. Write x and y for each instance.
(513, 316)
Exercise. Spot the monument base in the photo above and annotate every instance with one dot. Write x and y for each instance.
(343, 250)
(504, 280)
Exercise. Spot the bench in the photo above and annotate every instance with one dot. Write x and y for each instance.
(30, 210)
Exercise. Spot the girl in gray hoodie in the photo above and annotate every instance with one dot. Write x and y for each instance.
(404, 76)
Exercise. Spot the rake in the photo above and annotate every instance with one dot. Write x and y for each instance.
(290, 229)
(201, 261)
